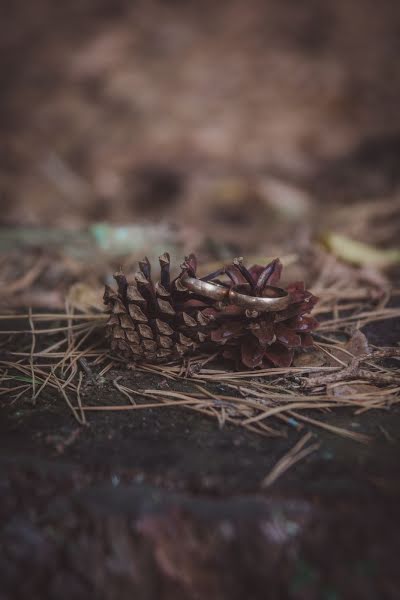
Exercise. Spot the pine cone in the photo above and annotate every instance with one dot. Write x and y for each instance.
(153, 322)
(266, 339)
(163, 321)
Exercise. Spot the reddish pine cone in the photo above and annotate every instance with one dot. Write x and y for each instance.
(265, 339)
(163, 321)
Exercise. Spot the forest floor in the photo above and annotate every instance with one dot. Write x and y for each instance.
(155, 482)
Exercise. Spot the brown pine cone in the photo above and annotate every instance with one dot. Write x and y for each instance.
(155, 322)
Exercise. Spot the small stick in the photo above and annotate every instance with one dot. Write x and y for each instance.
(353, 370)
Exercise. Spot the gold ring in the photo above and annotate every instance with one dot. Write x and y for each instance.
(261, 304)
(220, 293)
(204, 288)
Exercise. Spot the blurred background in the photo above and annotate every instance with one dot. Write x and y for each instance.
(221, 128)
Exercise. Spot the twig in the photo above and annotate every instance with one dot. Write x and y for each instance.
(354, 371)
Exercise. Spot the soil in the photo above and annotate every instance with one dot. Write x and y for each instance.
(162, 503)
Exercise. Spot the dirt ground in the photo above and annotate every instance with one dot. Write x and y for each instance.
(164, 504)
(239, 128)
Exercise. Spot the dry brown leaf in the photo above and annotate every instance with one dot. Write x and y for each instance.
(311, 358)
(84, 297)
(347, 389)
(357, 345)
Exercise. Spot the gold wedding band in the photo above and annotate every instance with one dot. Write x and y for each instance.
(204, 288)
(218, 292)
(259, 303)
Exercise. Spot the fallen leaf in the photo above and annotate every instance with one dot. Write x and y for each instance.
(357, 345)
(347, 389)
(358, 253)
(312, 358)
(84, 297)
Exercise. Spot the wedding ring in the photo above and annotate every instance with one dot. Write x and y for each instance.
(261, 304)
(204, 288)
(218, 292)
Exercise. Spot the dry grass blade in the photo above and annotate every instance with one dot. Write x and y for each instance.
(361, 319)
(33, 343)
(123, 407)
(278, 409)
(27, 278)
(357, 437)
(67, 400)
(124, 390)
(55, 317)
(79, 399)
(297, 453)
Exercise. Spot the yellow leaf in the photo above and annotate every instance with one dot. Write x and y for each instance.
(359, 253)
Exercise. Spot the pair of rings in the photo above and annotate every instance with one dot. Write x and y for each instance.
(225, 294)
